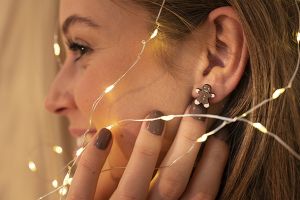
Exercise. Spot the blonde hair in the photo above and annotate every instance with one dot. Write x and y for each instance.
(258, 167)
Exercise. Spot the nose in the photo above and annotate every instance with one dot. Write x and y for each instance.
(60, 98)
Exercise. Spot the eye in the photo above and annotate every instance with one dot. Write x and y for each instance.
(78, 49)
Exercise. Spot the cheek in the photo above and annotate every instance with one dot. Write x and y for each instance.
(84, 93)
(88, 89)
(125, 137)
(145, 88)
(100, 74)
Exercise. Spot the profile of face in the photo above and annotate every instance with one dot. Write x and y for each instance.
(103, 39)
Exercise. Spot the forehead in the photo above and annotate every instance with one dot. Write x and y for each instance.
(114, 15)
(93, 9)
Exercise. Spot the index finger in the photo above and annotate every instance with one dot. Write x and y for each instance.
(89, 167)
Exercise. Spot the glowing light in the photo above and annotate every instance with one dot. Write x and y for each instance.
(278, 92)
(32, 166)
(63, 191)
(154, 34)
(244, 115)
(79, 151)
(70, 181)
(168, 117)
(110, 127)
(58, 149)
(203, 138)
(66, 179)
(55, 183)
(56, 48)
(260, 127)
(109, 89)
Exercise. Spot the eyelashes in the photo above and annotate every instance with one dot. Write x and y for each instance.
(78, 50)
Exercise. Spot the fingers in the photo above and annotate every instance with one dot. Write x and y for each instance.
(135, 181)
(170, 182)
(207, 177)
(89, 166)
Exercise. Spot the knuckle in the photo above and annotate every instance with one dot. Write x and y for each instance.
(190, 138)
(202, 196)
(87, 165)
(147, 151)
(127, 196)
(171, 188)
(190, 135)
(76, 197)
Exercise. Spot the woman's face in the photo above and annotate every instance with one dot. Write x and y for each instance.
(103, 40)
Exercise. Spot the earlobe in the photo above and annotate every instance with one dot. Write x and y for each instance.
(227, 53)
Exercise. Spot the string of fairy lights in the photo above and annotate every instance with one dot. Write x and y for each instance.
(62, 189)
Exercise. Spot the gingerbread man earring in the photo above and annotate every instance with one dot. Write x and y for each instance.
(204, 95)
(201, 102)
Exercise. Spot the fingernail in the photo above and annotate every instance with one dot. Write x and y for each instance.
(198, 109)
(103, 139)
(222, 134)
(155, 127)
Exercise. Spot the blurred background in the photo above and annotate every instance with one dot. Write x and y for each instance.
(27, 132)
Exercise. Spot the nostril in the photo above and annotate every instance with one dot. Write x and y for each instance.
(59, 110)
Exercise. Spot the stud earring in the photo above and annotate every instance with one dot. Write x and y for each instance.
(204, 95)
(201, 102)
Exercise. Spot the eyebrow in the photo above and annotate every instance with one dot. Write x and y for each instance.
(74, 19)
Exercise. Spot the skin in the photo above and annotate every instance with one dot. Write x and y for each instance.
(115, 40)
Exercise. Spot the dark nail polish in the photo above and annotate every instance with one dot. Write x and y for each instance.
(223, 134)
(155, 127)
(103, 139)
(198, 109)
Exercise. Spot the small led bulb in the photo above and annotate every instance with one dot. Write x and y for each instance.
(55, 183)
(58, 149)
(56, 49)
(63, 191)
(79, 151)
(66, 179)
(109, 89)
(278, 92)
(32, 166)
(154, 34)
(260, 127)
(168, 117)
(109, 127)
(203, 138)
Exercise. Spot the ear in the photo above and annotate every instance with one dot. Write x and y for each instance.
(225, 53)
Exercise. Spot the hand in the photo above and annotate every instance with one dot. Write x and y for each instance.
(174, 182)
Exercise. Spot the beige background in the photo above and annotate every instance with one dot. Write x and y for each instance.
(27, 131)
